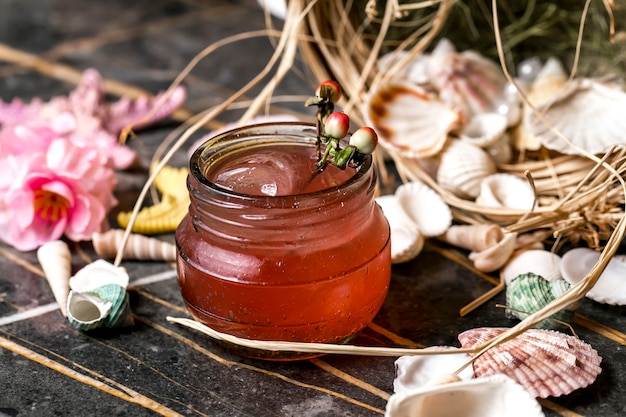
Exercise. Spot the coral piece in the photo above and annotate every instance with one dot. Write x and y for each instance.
(545, 362)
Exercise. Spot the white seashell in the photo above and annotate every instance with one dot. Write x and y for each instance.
(406, 240)
(467, 81)
(413, 372)
(587, 112)
(476, 238)
(494, 257)
(484, 129)
(425, 208)
(462, 167)
(56, 261)
(410, 121)
(505, 190)
(495, 396)
(97, 274)
(138, 246)
(610, 287)
(501, 151)
(545, 362)
(540, 262)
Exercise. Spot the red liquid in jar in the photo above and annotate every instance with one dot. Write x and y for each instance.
(309, 278)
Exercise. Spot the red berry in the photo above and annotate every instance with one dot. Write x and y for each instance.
(329, 89)
(364, 139)
(337, 125)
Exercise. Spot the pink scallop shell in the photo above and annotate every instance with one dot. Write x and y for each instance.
(546, 362)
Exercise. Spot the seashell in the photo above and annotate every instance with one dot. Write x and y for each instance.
(501, 151)
(55, 259)
(497, 395)
(478, 237)
(505, 190)
(425, 208)
(138, 246)
(528, 293)
(406, 240)
(545, 362)
(416, 371)
(484, 129)
(494, 257)
(610, 287)
(163, 217)
(97, 274)
(462, 167)
(409, 120)
(538, 261)
(104, 306)
(467, 81)
(589, 113)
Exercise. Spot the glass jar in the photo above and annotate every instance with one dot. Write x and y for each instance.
(310, 265)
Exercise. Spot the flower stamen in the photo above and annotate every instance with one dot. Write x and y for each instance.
(50, 206)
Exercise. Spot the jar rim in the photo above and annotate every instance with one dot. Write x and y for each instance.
(232, 137)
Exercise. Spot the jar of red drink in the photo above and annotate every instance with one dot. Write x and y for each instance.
(273, 248)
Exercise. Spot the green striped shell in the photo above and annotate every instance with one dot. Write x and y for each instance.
(528, 293)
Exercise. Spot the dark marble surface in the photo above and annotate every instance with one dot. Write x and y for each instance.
(48, 368)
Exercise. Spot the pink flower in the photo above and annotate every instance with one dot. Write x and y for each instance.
(43, 196)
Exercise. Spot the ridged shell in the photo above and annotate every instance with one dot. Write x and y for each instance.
(495, 396)
(105, 306)
(484, 129)
(545, 362)
(538, 261)
(410, 121)
(425, 208)
(610, 287)
(163, 217)
(505, 190)
(97, 274)
(462, 167)
(494, 257)
(406, 240)
(467, 81)
(56, 261)
(528, 293)
(589, 113)
(137, 247)
(416, 371)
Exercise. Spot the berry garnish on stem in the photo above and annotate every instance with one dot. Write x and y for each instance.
(333, 126)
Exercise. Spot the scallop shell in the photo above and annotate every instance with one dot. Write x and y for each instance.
(528, 293)
(495, 396)
(137, 247)
(545, 362)
(406, 240)
(589, 113)
(478, 237)
(506, 191)
(410, 121)
(537, 261)
(610, 287)
(104, 306)
(97, 274)
(55, 259)
(484, 129)
(494, 257)
(466, 81)
(462, 167)
(425, 208)
(416, 371)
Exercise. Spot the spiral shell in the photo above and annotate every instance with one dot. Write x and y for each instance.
(495, 256)
(529, 293)
(55, 260)
(545, 362)
(462, 167)
(137, 247)
(104, 306)
(97, 274)
(474, 237)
